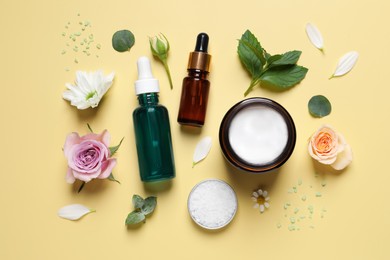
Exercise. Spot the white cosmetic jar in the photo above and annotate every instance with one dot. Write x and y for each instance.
(257, 135)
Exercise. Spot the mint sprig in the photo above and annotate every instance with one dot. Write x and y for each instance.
(142, 208)
(280, 71)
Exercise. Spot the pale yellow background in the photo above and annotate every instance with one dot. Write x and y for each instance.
(35, 121)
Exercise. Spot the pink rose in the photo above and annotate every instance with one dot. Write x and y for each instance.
(88, 156)
(330, 148)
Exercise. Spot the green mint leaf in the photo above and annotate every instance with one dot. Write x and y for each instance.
(123, 40)
(149, 205)
(288, 58)
(284, 77)
(138, 201)
(273, 58)
(112, 178)
(114, 149)
(251, 54)
(319, 106)
(134, 218)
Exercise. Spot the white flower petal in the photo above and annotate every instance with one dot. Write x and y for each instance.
(346, 63)
(73, 211)
(314, 36)
(265, 194)
(89, 89)
(202, 149)
(254, 199)
(255, 194)
(266, 204)
(260, 192)
(261, 207)
(266, 199)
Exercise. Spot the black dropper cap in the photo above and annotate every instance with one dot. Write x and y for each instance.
(202, 42)
(200, 59)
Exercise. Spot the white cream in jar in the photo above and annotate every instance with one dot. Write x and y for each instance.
(258, 134)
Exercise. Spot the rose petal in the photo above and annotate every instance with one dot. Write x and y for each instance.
(70, 141)
(343, 159)
(69, 176)
(87, 177)
(107, 168)
(104, 137)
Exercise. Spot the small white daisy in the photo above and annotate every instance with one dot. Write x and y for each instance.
(261, 200)
(88, 90)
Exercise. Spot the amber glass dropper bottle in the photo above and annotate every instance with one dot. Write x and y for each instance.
(195, 90)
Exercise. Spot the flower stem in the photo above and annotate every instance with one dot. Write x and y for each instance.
(168, 72)
(81, 187)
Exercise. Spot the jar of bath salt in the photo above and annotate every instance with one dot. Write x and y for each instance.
(257, 135)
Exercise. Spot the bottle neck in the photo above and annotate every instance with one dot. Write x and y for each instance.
(202, 74)
(146, 99)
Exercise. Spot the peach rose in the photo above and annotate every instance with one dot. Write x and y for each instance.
(330, 148)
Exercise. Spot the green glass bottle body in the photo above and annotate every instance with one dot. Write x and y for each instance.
(153, 139)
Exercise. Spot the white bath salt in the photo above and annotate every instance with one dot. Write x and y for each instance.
(212, 204)
(258, 134)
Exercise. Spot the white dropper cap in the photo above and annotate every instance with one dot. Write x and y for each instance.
(146, 83)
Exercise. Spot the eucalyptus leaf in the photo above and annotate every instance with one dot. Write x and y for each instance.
(284, 78)
(288, 58)
(138, 201)
(114, 149)
(123, 40)
(135, 218)
(149, 205)
(319, 106)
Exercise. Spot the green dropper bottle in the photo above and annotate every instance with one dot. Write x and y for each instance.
(152, 129)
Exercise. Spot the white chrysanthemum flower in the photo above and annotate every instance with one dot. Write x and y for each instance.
(261, 200)
(88, 90)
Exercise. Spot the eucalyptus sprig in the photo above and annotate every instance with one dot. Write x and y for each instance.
(142, 208)
(279, 70)
(159, 46)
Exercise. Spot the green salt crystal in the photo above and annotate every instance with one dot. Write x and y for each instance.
(98, 46)
(291, 227)
(278, 225)
(323, 183)
(318, 194)
(292, 220)
(81, 43)
(63, 34)
(77, 33)
(302, 217)
(296, 210)
(303, 198)
(290, 191)
(76, 61)
(295, 189)
(311, 209)
(91, 36)
(299, 181)
(63, 52)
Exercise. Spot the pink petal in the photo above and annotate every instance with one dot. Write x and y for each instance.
(107, 168)
(103, 137)
(343, 159)
(86, 176)
(70, 141)
(69, 176)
